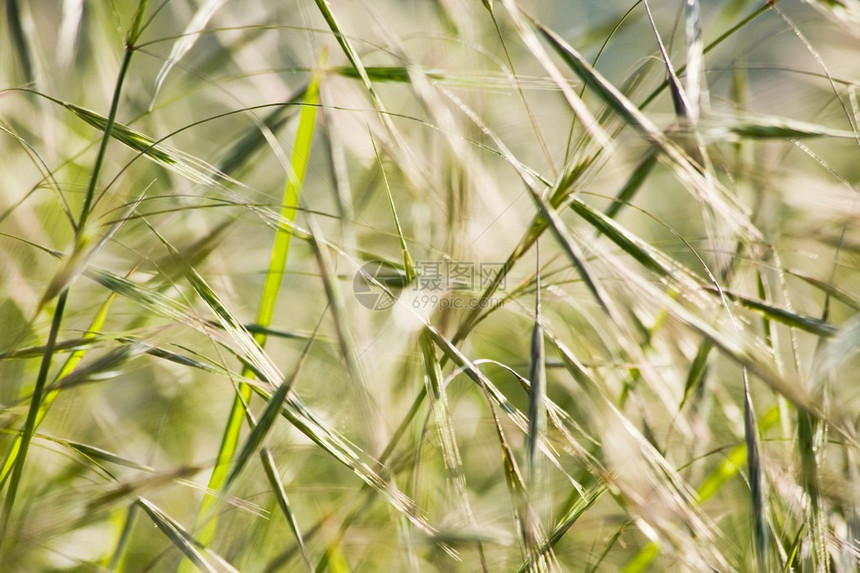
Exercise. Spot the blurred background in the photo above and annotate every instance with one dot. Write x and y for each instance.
(686, 256)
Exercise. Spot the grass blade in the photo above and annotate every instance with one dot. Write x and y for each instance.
(180, 538)
(271, 289)
(783, 316)
(193, 169)
(21, 31)
(284, 503)
(70, 364)
(696, 84)
(276, 403)
(537, 390)
(683, 166)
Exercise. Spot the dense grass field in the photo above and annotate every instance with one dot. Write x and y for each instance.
(429, 286)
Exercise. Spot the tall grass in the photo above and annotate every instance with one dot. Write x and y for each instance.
(609, 323)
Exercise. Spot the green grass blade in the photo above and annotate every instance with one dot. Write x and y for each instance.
(783, 316)
(810, 435)
(761, 530)
(181, 538)
(290, 204)
(193, 169)
(267, 419)
(764, 127)
(17, 19)
(643, 559)
(347, 48)
(632, 186)
(277, 485)
(261, 429)
(247, 146)
(696, 373)
(269, 296)
(32, 414)
(537, 387)
(117, 561)
(70, 364)
(683, 107)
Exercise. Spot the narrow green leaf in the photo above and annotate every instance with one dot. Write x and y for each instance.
(631, 186)
(284, 503)
(271, 289)
(261, 429)
(537, 379)
(783, 316)
(70, 364)
(179, 537)
(769, 127)
(193, 169)
(697, 370)
(267, 419)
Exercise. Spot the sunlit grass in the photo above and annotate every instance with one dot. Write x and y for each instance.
(609, 321)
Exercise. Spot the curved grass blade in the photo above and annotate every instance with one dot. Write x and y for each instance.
(256, 137)
(839, 294)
